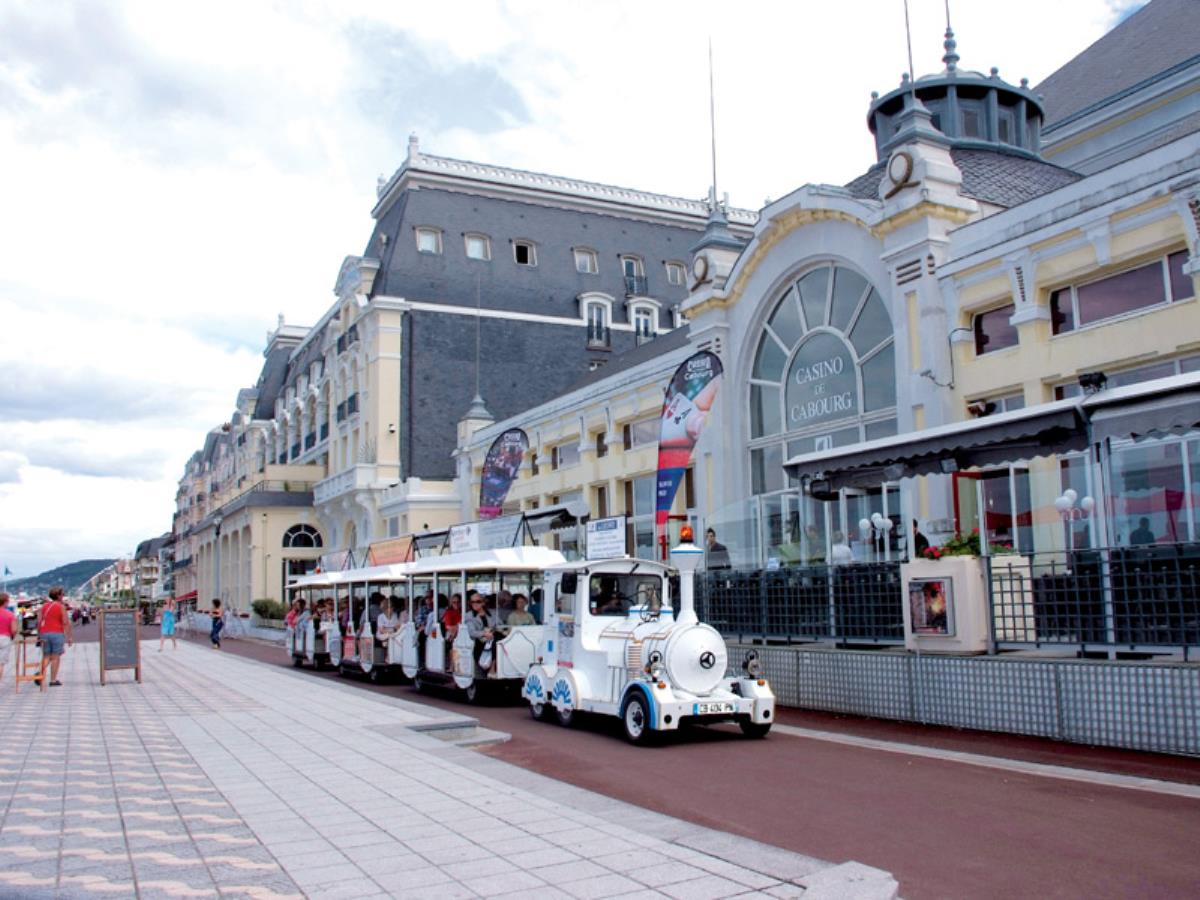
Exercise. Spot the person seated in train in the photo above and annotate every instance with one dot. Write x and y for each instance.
(386, 622)
(606, 599)
(504, 605)
(451, 619)
(399, 610)
(374, 604)
(535, 604)
(295, 612)
(520, 614)
(424, 611)
(481, 627)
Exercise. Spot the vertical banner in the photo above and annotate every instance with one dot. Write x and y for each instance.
(689, 398)
(500, 470)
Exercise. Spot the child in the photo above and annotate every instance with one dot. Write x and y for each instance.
(218, 622)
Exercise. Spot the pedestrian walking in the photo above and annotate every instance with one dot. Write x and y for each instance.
(54, 630)
(8, 630)
(168, 625)
(218, 622)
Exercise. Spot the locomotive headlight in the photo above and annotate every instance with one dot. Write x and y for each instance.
(655, 668)
(752, 664)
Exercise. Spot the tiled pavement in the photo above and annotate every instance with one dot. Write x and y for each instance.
(218, 776)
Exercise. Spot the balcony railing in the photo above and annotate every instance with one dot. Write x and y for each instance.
(598, 337)
(352, 404)
(635, 285)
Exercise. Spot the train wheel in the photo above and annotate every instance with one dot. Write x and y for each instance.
(297, 661)
(565, 717)
(636, 720)
(474, 692)
(754, 729)
(539, 711)
(419, 683)
(374, 675)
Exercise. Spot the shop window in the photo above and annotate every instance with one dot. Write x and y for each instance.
(993, 330)
(429, 240)
(524, 253)
(586, 261)
(478, 246)
(1155, 284)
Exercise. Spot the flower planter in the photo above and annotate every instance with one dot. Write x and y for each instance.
(945, 605)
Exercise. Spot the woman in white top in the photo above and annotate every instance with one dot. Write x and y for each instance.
(840, 553)
(386, 622)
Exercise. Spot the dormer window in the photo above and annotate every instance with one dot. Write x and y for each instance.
(597, 324)
(524, 253)
(586, 261)
(429, 240)
(675, 272)
(635, 275)
(478, 246)
(643, 324)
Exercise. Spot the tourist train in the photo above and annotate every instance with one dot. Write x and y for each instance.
(616, 637)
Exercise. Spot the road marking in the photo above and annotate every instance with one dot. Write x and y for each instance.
(1087, 776)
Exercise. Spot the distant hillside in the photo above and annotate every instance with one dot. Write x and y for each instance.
(70, 576)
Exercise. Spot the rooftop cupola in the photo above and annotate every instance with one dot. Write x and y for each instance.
(969, 108)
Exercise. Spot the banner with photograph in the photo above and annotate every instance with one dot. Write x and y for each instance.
(689, 398)
(500, 468)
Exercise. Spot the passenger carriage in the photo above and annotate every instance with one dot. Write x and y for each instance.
(303, 642)
(613, 645)
(431, 657)
(360, 595)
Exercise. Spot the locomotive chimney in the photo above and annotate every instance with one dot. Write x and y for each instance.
(686, 557)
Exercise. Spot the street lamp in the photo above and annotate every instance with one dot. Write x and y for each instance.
(1065, 504)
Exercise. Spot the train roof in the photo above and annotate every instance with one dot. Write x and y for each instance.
(504, 559)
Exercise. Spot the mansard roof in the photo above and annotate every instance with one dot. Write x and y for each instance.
(991, 176)
(1159, 38)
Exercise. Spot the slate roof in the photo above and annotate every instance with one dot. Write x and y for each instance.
(1162, 35)
(660, 346)
(271, 380)
(992, 176)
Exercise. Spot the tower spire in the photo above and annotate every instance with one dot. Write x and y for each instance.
(950, 45)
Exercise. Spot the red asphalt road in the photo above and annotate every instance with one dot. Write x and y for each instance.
(945, 829)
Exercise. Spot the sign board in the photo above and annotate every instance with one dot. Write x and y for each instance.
(606, 538)
(464, 537)
(501, 532)
(120, 642)
(931, 605)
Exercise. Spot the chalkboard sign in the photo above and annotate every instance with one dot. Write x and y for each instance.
(120, 642)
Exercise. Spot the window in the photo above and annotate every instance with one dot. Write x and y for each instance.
(1160, 282)
(586, 261)
(675, 273)
(564, 456)
(429, 240)
(601, 445)
(302, 536)
(643, 324)
(597, 325)
(1007, 403)
(972, 121)
(640, 433)
(615, 595)
(993, 331)
(635, 276)
(478, 246)
(639, 508)
(524, 253)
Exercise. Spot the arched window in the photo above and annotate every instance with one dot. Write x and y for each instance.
(302, 537)
(823, 373)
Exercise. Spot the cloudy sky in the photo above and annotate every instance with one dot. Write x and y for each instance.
(175, 176)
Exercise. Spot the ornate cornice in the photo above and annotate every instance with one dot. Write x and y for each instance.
(926, 209)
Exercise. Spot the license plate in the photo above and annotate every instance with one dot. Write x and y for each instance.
(700, 709)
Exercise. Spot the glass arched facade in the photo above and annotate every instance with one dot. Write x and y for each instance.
(824, 371)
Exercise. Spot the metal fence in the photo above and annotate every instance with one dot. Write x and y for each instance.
(847, 604)
(1136, 705)
(1121, 597)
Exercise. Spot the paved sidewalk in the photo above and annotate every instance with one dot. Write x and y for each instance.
(223, 777)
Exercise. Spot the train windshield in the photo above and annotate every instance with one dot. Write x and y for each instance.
(610, 594)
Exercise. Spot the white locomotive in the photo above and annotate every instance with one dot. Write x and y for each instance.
(612, 645)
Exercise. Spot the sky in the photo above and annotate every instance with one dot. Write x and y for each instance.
(174, 176)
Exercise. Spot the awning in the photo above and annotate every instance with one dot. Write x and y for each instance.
(1007, 437)
(1160, 407)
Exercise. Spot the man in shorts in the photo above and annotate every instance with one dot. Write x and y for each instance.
(54, 630)
(8, 630)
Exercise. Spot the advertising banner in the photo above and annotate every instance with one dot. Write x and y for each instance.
(689, 398)
(394, 550)
(500, 468)
(464, 537)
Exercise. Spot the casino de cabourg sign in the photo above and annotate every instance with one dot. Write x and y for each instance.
(822, 382)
